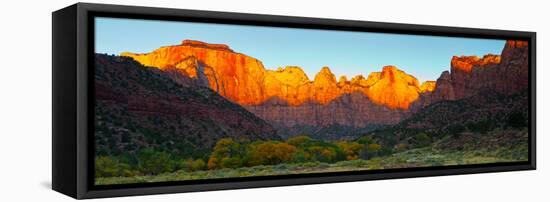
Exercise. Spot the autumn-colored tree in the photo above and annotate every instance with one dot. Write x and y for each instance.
(310, 150)
(226, 154)
(350, 149)
(269, 153)
(323, 154)
(213, 162)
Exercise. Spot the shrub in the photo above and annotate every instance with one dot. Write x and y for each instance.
(106, 166)
(516, 120)
(422, 140)
(481, 126)
(455, 130)
(151, 162)
(401, 147)
(230, 162)
(191, 165)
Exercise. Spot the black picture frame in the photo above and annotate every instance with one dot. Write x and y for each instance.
(73, 97)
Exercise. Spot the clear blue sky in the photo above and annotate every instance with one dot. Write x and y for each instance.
(346, 53)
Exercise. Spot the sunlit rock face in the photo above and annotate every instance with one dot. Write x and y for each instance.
(324, 86)
(287, 96)
(235, 76)
(382, 98)
(244, 80)
(427, 86)
(290, 85)
(393, 88)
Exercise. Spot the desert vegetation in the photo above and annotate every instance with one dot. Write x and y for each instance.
(302, 154)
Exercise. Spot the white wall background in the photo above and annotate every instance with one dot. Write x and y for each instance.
(25, 102)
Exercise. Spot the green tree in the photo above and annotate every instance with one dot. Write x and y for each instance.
(151, 162)
(226, 154)
(300, 141)
(365, 140)
(322, 154)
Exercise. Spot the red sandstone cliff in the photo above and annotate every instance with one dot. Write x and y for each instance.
(382, 98)
(244, 80)
(506, 74)
(513, 69)
(286, 96)
(235, 76)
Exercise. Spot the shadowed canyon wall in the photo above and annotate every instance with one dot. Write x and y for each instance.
(506, 74)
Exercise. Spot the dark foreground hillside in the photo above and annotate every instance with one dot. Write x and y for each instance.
(141, 108)
(481, 121)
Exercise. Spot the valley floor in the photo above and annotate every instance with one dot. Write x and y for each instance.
(422, 157)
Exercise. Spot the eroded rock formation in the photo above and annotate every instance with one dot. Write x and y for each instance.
(287, 97)
(506, 74)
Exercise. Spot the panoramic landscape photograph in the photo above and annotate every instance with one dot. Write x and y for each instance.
(180, 101)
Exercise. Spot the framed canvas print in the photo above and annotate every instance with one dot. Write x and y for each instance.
(154, 100)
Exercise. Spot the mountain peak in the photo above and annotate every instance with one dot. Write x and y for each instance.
(390, 72)
(200, 44)
(325, 76)
(325, 70)
(389, 68)
(290, 75)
